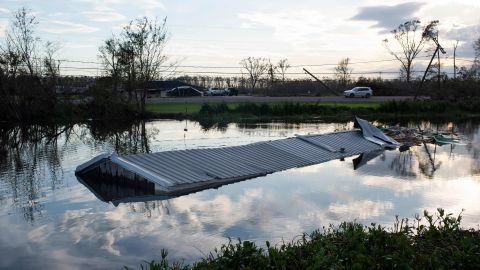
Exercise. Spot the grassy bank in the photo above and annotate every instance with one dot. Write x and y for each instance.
(194, 108)
(429, 110)
(260, 112)
(428, 242)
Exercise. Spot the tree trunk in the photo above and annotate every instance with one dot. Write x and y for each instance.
(408, 72)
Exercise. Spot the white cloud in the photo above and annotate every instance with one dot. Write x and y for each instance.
(294, 26)
(60, 27)
(56, 14)
(76, 45)
(140, 4)
(103, 16)
(151, 4)
(3, 23)
(3, 28)
(363, 209)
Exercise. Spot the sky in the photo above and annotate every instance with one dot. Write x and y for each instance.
(213, 33)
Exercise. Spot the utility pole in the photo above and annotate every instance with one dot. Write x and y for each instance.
(439, 73)
(322, 83)
(454, 65)
(437, 50)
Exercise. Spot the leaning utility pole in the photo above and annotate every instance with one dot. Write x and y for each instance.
(437, 50)
(322, 83)
(454, 65)
(439, 73)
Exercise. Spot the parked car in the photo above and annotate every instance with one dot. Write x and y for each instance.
(359, 91)
(214, 91)
(231, 91)
(183, 91)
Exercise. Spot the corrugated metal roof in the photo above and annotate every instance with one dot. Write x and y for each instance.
(183, 170)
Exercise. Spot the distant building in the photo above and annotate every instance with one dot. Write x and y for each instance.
(74, 85)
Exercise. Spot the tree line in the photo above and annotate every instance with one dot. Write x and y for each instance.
(28, 70)
(31, 84)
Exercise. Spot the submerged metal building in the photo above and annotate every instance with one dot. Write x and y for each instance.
(179, 172)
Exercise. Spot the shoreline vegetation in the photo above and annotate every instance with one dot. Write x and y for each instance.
(225, 113)
(423, 242)
(332, 111)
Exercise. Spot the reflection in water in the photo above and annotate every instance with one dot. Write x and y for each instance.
(114, 189)
(54, 222)
(30, 160)
(363, 158)
(427, 162)
(403, 164)
(31, 156)
(126, 138)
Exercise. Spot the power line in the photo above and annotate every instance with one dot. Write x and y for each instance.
(207, 70)
(236, 67)
(467, 60)
(355, 63)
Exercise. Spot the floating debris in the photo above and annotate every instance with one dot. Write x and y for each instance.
(416, 136)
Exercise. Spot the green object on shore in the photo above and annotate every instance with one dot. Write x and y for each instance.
(442, 140)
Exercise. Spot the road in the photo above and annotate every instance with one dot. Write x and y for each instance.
(237, 99)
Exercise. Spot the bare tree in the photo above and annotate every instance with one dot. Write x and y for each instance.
(411, 43)
(10, 59)
(272, 71)
(256, 68)
(475, 69)
(147, 38)
(283, 65)
(50, 64)
(110, 55)
(137, 57)
(21, 54)
(343, 72)
(51, 71)
(21, 36)
(476, 47)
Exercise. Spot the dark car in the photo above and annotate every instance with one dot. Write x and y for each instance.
(183, 91)
(231, 91)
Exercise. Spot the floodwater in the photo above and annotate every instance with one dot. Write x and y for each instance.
(50, 220)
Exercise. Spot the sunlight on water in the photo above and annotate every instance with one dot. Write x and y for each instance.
(53, 221)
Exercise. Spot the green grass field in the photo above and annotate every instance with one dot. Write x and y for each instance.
(193, 108)
(174, 108)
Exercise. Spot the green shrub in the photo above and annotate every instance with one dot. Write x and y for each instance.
(430, 242)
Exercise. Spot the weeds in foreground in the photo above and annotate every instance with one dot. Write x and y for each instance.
(427, 242)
